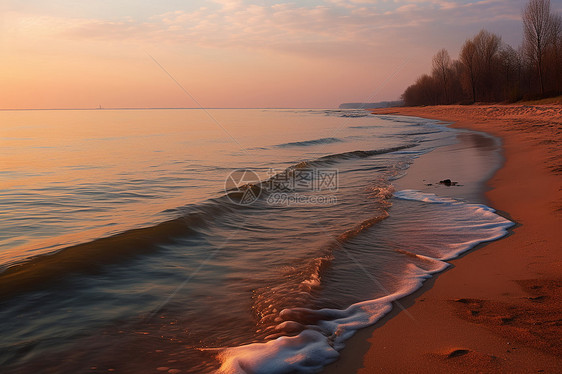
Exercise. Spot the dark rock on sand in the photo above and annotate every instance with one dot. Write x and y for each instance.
(448, 182)
(457, 353)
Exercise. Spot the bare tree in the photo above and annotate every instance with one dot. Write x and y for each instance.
(442, 70)
(557, 50)
(468, 59)
(510, 63)
(487, 64)
(487, 46)
(488, 70)
(424, 92)
(456, 92)
(538, 33)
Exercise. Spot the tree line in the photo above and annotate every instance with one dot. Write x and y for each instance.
(488, 70)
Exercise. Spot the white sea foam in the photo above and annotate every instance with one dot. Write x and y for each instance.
(318, 344)
(479, 220)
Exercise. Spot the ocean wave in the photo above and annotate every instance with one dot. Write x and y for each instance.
(306, 143)
(298, 284)
(421, 133)
(349, 113)
(365, 127)
(90, 257)
(413, 121)
(324, 334)
(320, 334)
(354, 115)
(257, 189)
(360, 154)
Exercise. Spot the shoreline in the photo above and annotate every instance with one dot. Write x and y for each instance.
(498, 307)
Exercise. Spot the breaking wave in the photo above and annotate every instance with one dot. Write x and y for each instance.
(318, 335)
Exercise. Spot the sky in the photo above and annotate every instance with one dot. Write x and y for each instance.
(231, 53)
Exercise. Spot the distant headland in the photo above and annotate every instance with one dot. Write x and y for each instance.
(382, 104)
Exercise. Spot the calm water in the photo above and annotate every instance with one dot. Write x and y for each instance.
(120, 248)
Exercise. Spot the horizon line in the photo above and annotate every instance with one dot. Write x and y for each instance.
(158, 108)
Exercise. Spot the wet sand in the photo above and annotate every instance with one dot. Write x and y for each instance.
(498, 308)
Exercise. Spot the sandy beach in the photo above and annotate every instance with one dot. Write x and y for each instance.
(498, 307)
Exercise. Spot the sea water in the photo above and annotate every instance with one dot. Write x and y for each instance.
(232, 240)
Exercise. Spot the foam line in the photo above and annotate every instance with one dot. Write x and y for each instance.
(326, 330)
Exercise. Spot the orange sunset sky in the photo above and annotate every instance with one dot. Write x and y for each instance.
(231, 53)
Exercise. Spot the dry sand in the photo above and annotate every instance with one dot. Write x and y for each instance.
(498, 309)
